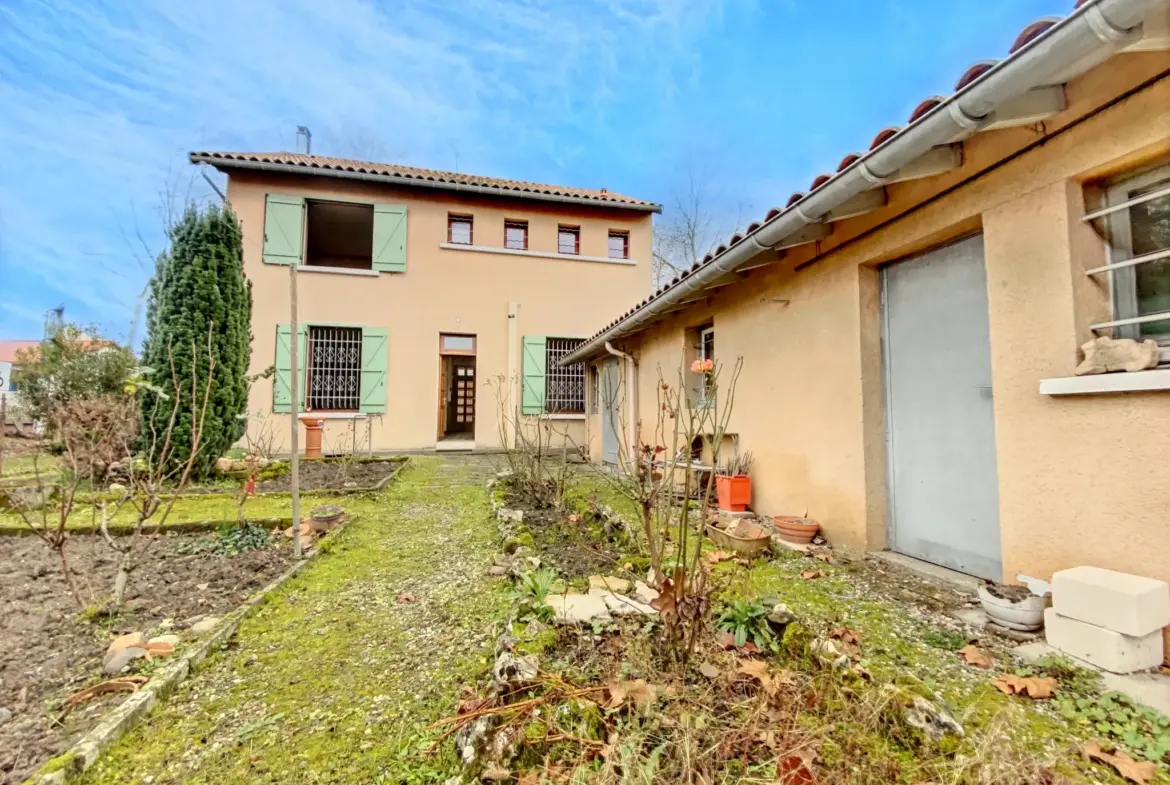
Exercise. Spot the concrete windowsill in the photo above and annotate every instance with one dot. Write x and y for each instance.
(568, 257)
(337, 271)
(1139, 381)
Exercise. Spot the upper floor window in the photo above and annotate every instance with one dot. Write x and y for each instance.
(569, 239)
(459, 229)
(619, 245)
(339, 234)
(516, 235)
(1138, 227)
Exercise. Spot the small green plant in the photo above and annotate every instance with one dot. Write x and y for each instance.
(747, 620)
(941, 638)
(1143, 730)
(531, 593)
(233, 539)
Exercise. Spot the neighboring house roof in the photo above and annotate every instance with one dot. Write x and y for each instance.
(8, 349)
(295, 163)
(1047, 52)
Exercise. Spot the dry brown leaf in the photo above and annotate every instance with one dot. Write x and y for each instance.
(725, 639)
(827, 558)
(638, 692)
(575, 518)
(850, 640)
(710, 670)
(758, 670)
(714, 557)
(750, 648)
(810, 575)
(529, 778)
(796, 769)
(1034, 687)
(1132, 770)
(973, 655)
(406, 597)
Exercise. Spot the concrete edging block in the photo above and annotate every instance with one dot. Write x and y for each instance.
(1129, 604)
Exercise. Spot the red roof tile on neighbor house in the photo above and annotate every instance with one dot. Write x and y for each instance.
(8, 349)
(320, 164)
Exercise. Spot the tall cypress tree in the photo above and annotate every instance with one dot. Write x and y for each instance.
(199, 289)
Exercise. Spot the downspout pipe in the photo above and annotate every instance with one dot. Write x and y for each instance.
(1093, 32)
(631, 398)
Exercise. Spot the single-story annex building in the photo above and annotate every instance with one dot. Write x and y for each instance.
(911, 324)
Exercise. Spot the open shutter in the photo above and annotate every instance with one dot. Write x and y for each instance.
(390, 238)
(284, 229)
(375, 343)
(282, 380)
(533, 370)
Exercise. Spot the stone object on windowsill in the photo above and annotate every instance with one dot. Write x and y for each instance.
(1106, 355)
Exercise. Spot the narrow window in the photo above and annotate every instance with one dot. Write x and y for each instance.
(516, 235)
(1140, 236)
(619, 245)
(569, 239)
(339, 235)
(335, 369)
(459, 229)
(594, 390)
(564, 388)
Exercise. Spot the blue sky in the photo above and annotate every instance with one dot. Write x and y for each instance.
(100, 101)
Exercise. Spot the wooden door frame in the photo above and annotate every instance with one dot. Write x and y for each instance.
(443, 379)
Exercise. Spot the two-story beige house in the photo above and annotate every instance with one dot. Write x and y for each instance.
(426, 297)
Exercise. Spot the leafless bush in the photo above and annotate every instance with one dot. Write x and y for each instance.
(537, 449)
(156, 479)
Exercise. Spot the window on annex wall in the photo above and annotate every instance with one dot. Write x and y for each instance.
(569, 239)
(700, 346)
(516, 235)
(459, 229)
(339, 234)
(1138, 231)
(334, 369)
(594, 389)
(619, 245)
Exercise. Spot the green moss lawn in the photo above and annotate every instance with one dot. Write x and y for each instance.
(333, 678)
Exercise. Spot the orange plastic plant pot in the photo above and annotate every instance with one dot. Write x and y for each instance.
(735, 493)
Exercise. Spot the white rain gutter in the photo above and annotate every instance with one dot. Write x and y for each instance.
(416, 182)
(1095, 30)
(631, 397)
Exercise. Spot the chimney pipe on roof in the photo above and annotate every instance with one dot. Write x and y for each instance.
(304, 140)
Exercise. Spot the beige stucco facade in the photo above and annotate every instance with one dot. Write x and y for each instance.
(1082, 479)
(497, 297)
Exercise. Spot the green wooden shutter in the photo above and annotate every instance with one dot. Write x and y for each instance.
(375, 342)
(282, 380)
(284, 229)
(533, 369)
(390, 238)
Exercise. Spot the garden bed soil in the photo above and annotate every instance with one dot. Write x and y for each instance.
(574, 548)
(48, 652)
(332, 475)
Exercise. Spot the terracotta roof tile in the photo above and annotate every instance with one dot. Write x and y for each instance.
(407, 174)
(8, 349)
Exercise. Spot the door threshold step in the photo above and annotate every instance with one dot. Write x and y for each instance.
(967, 584)
(455, 445)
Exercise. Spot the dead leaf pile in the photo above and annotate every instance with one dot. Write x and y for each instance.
(638, 692)
(850, 641)
(1132, 770)
(973, 655)
(1034, 687)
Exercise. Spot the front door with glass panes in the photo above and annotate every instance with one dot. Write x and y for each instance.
(461, 396)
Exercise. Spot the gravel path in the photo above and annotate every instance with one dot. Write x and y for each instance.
(332, 680)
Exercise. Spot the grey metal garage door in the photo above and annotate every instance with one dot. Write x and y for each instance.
(944, 502)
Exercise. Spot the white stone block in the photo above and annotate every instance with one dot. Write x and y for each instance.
(1130, 604)
(1107, 649)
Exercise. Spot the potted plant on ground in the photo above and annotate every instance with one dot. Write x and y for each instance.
(733, 483)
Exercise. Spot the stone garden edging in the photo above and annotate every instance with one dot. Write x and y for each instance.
(67, 766)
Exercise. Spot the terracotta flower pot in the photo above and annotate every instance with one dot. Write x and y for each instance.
(793, 528)
(735, 493)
